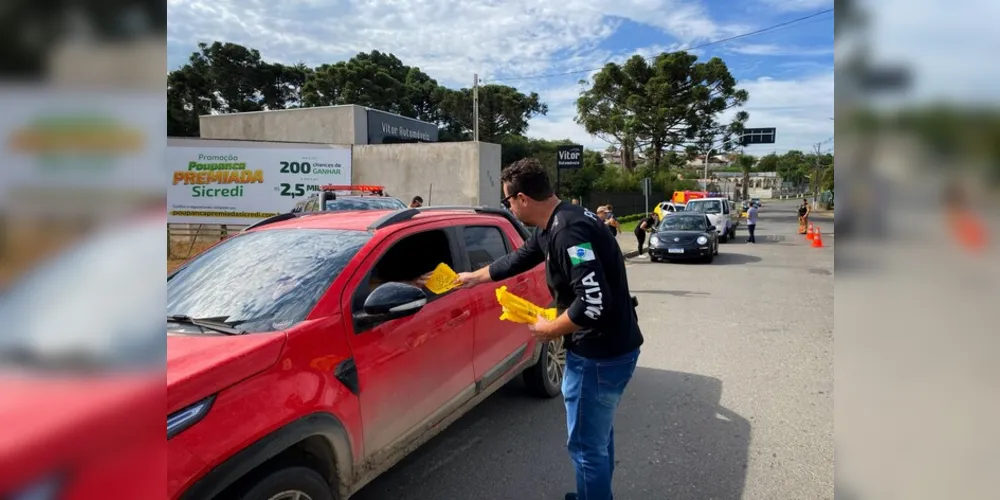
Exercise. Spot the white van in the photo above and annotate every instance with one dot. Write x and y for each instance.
(721, 212)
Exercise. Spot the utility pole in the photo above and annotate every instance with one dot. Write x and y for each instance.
(816, 178)
(475, 107)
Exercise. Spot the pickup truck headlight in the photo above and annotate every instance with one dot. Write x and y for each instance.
(702, 240)
(182, 419)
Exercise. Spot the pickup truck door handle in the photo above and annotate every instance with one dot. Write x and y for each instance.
(459, 318)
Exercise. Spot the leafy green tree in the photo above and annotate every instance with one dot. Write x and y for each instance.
(376, 80)
(228, 78)
(767, 163)
(661, 105)
(503, 111)
(745, 162)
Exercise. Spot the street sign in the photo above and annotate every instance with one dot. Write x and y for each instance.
(758, 136)
(569, 156)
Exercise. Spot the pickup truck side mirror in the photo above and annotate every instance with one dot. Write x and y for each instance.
(391, 301)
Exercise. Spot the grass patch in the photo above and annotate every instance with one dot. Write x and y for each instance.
(628, 227)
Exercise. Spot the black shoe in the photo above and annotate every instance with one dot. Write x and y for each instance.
(571, 496)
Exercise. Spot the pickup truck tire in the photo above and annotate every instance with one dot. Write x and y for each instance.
(544, 378)
(724, 237)
(290, 483)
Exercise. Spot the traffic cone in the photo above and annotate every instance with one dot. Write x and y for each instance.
(810, 231)
(817, 239)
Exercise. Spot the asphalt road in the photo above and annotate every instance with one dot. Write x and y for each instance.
(732, 399)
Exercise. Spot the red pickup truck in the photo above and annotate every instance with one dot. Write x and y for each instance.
(301, 362)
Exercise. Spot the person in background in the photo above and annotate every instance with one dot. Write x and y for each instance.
(575, 201)
(602, 213)
(612, 221)
(803, 216)
(417, 202)
(597, 318)
(646, 225)
(751, 222)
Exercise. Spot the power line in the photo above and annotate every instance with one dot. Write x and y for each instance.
(696, 47)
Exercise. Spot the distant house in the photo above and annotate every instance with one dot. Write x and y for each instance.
(715, 161)
(762, 184)
(613, 156)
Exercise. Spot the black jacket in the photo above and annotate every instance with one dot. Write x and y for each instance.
(586, 275)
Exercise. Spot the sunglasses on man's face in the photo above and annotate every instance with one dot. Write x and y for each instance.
(506, 201)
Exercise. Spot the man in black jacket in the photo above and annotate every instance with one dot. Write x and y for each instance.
(585, 272)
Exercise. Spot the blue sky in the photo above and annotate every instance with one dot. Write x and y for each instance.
(788, 72)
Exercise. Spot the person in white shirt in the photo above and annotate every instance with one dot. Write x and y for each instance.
(751, 223)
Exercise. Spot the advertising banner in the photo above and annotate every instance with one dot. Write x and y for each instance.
(241, 185)
(79, 153)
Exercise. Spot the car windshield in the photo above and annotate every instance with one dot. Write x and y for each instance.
(681, 222)
(91, 309)
(364, 203)
(262, 280)
(704, 207)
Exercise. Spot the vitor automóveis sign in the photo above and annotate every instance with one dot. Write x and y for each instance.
(387, 128)
(569, 156)
(233, 185)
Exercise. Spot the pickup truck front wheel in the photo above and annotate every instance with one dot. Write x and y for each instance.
(544, 378)
(291, 483)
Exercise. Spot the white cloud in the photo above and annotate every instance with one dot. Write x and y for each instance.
(448, 39)
(800, 109)
(498, 39)
(798, 5)
(767, 49)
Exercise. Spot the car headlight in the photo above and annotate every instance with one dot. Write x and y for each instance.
(182, 419)
(702, 240)
(654, 240)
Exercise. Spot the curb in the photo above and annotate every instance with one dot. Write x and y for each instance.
(629, 255)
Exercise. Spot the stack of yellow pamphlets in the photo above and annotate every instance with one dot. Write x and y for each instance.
(519, 310)
(442, 279)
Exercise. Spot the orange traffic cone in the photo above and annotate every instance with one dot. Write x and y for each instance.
(817, 239)
(809, 232)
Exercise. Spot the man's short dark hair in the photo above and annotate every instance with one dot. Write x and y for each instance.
(417, 199)
(529, 177)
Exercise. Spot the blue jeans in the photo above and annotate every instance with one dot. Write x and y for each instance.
(592, 390)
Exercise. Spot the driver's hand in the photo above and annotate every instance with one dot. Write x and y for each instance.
(422, 279)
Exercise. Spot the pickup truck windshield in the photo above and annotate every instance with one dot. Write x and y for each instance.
(262, 280)
(364, 203)
(704, 207)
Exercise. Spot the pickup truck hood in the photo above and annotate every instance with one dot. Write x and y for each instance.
(201, 365)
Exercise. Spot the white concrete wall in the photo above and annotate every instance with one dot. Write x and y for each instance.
(490, 190)
(761, 193)
(447, 173)
(320, 125)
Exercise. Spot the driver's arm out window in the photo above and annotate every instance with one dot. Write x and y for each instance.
(406, 259)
